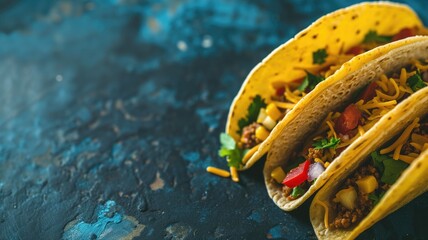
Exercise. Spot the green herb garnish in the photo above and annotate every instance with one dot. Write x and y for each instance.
(326, 143)
(373, 37)
(319, 56)
(390, 169)
(415, 82)
(297, 192)
(253, 112)
(310, 81)
(375, 197)
(230, 150)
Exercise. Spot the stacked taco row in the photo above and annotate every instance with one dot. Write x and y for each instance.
(341, 108)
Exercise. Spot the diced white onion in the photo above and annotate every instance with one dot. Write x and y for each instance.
(262, 115)
(269, 123)
(315, 170)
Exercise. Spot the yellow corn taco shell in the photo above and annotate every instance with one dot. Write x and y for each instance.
(336, 33)
(330, 95)
(411, 183)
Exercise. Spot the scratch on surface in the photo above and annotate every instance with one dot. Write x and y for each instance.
(158, 183)
(119, 106)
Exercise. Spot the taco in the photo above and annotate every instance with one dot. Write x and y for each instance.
(292, 70)
(385, 170)
(327, 123)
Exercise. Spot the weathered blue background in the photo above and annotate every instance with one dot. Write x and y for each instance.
(111, 111)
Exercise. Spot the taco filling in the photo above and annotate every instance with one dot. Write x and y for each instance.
(362, 190)
(340, 129)
(264, 114)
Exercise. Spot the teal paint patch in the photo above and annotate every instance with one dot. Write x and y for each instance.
(190, 156)
(276, 232)
(255, 216)
(110, 224)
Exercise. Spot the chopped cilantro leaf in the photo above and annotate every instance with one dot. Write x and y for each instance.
(230, 150)
(415, 82)
(390, 169)
(378, 161)
(310, 81)
(319, 56)
(297, 192)
(227, 141)
(373, 37)
(324, 143)
(253, 112)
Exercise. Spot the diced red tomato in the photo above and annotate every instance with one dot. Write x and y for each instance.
(404, 33)
(297, 175)
(348, 120)
(369, 93)
(355, 50)
(280, 91)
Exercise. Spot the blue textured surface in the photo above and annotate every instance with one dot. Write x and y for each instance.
(111, 111)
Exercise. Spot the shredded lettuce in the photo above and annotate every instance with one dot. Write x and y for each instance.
(253, 112)
(389, 168)
(310, 81)
(415, 82)
(375, 197)
(373, 37)
(297, 192)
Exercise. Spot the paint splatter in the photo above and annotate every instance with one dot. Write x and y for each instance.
(158, 183)
(110, 224)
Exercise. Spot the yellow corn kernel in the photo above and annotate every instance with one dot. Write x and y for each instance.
(326, 164)
(278, 174)
(367, 184)
(262, 133)
(273, 112)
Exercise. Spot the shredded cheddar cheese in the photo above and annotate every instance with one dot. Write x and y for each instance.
(218, 172)
(290, 96)
(416, 145)
(330, 125)
(402, 139)
(325, 212)
(234, 173)
(250, 153)
(420, 66)
(407, 159)
(361, 130)
(284, 105)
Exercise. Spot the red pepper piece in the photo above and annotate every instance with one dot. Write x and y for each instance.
(369, 93)
(297, 175)
(348, 120)
(355, 50)
(404, 33)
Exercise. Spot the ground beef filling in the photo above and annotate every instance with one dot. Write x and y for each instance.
(248, 137)
(345, 217)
